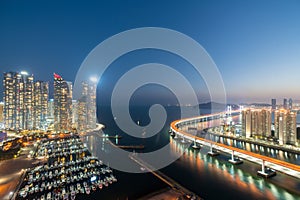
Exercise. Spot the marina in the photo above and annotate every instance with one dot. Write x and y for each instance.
(67, 170)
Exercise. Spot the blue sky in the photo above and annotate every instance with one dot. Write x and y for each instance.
(255, 44)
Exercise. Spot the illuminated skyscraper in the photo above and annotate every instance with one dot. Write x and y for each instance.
(40, 104)
(291, 132)
(82, 114)
(87, 106)
(266, 123)
(50, 114)
(256, 122)
(246, 123)
(18, 100)
(1, 115)
(1, 112)
(75, 114)
(11, 100)
(62, 104)
(50, 109)
(28, 101)
(92, 110)
(285, 127)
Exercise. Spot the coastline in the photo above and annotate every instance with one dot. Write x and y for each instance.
(164, 193)
(99, 127)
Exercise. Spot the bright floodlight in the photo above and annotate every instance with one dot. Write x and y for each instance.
(24, 73)
(93, 79)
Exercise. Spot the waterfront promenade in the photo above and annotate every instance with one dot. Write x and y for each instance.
(11, 173)
(285, 148)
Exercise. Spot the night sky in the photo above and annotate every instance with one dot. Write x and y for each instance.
(255, 44)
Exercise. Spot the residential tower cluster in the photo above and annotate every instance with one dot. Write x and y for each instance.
(26, 104)
(278, 123)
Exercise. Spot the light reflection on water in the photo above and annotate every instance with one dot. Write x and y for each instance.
(242, 178)
(235, 177)
(217, 176)
(289, 157)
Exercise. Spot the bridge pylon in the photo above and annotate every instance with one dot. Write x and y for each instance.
(212, 152)
(266, 172)
(235, 160)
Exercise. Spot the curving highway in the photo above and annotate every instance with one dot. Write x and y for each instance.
(279, 165)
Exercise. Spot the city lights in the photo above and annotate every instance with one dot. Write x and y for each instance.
(185, 100)
(93, 79)
(24, 73)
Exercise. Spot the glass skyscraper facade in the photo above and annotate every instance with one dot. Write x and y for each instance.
(1, 112)
(40, 104)
(87, 117)
(285, 126)
(256, 122)
(25, 105)
(62, 104)
(18, 95)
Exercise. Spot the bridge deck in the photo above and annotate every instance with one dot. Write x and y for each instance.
(190, 136)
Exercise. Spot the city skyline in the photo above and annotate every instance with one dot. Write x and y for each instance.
(284, 101)
(26, 104)
(160, 99)
(255, 52)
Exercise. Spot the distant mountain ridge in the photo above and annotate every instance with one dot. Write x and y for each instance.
(218, 106)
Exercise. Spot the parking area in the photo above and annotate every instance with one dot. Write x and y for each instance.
(11, 172)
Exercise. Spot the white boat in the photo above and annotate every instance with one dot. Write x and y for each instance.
(73, 195)
(26, 188)
(23, 193)
(114, 179)
(82, 190)
(66, 196)
(31, 191)
(109, 179)
(106, 183)
(36, 189)
(87, 190)
(94, 188)
(49, 196)
(100, 185)
(56, 197)
(143, 169)
(78, 186)
(84, 184)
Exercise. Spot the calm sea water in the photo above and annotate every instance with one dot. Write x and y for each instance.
(210, 178)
